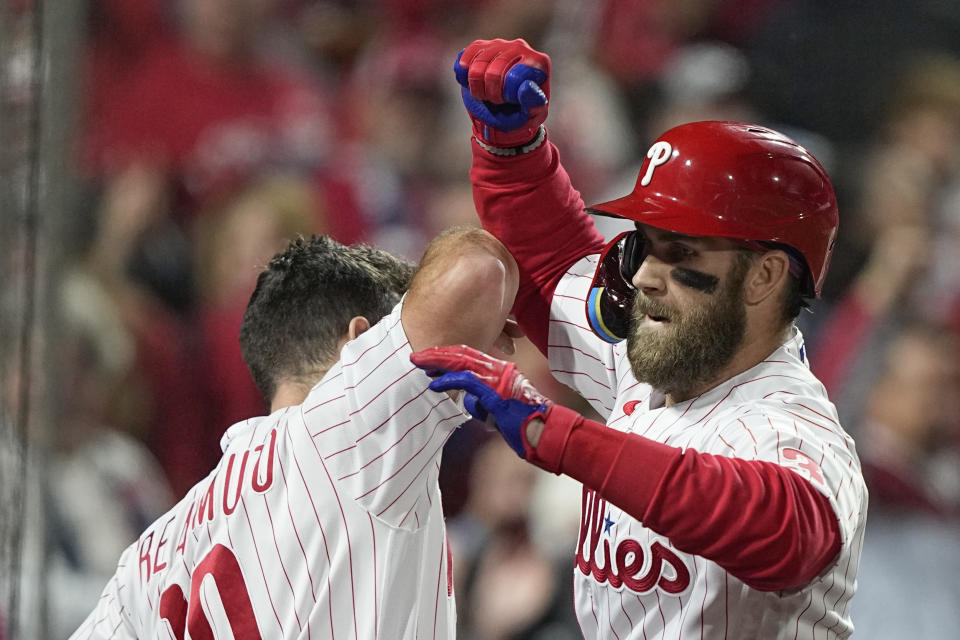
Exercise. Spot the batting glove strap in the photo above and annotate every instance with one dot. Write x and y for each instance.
(559, 423)
(515, 151)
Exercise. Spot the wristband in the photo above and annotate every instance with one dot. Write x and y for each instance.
(515, 151)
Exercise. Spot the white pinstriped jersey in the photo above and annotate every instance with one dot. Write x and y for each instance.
(321, 520)
(631, 582)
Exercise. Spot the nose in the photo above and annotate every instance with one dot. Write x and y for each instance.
(651, 275)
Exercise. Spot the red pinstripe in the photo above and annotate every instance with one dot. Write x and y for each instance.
(296, 533)
(726, 604)
(398, 410)
(330, 428)
(585, 375)
(624, 609)
(827, 418)
(346, 529)
(833, 583)
(706, 589)
(336, 453)
(800, 615)
(369, 373)
(610, 621)
(376, 600)
(253, 542)
(572, 324)
(436, 601)
(732, 448)
(747, 429)
(809, 421)
(401, 468)
(382, 391)
(317, 406)
(435, 452)
(582, 352)
(644, 607)
(323, 534)
(660, 606)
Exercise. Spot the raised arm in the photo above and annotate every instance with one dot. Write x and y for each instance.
(523, 194)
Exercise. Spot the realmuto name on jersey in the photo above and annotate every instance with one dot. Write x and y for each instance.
(227, 485)
(630, 564)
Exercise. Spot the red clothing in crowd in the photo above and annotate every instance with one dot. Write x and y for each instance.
(210, 122)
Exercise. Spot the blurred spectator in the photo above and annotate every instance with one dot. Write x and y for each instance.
(232, 245)
(100, 484)
(159, 345)
(908, 446)
(705, 80)
(120, 35)
(635, 41)
(900, 231)
(909, 435)
(507, 587)
(210, 110)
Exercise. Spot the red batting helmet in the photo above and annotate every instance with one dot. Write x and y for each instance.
(740, 181)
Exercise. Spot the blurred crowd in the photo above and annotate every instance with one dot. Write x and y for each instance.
(211, 131)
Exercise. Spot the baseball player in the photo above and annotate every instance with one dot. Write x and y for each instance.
(324, 519)
(721, 499)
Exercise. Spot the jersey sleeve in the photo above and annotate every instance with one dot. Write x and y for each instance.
(529, 204)
(112, 618)
(389, 461)
(769, 509)
(805, 438)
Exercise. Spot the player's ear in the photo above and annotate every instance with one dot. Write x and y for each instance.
(766, 275)
(358, 324)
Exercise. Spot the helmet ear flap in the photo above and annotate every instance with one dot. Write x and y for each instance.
(611, 296)
(634, 253)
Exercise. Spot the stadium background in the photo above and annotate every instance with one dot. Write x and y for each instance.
(154, 153)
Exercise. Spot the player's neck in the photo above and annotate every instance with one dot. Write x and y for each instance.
(288, 394)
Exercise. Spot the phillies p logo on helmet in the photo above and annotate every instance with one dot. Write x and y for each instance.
(659, 153)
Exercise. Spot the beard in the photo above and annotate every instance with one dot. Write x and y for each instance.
(689, 352)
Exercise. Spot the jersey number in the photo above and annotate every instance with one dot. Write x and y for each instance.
(182, 614)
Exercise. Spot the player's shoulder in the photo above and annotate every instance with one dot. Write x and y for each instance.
(782, 393)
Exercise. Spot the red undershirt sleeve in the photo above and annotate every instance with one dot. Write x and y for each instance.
(765, 524)
(529, 204)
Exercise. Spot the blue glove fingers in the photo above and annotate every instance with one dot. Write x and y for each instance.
(510, 415)
(466, 381)
(461, 72)
(506, 117)
(523, 78)
(470, 384)
(473, 407)
(530, 95)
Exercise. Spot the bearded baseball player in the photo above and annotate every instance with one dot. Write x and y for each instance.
(721, 499)
(324, 519)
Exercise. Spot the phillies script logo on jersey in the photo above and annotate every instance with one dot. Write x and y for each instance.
(629, 564)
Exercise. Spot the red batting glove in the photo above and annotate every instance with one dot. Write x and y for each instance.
(500, 375)
(506, 90)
